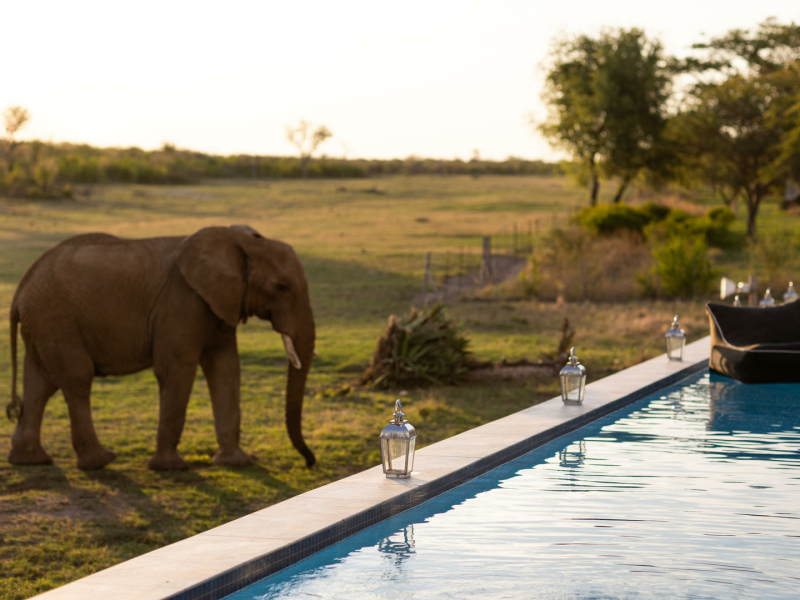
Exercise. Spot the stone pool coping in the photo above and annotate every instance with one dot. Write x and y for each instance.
(220, 561)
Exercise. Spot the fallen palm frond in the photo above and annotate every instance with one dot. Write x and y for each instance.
(423, 348)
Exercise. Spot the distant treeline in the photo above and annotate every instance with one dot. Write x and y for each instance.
(39, 169)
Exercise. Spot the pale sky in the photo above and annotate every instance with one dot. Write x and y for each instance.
(389, 79)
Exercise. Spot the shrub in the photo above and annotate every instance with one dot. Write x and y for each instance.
(423, 348)
(683, 269)
(713, 228)
(607, 219)
(573, 265)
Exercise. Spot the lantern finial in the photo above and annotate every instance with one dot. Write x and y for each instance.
(399, 417)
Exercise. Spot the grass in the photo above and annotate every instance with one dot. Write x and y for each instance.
(363, 244)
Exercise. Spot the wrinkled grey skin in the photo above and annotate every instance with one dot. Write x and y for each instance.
(100, 305)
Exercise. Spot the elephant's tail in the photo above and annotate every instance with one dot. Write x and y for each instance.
(14, 408)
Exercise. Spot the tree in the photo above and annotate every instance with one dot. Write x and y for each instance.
(736, 123)
(607, 99)
(307, 141)
(15, 118)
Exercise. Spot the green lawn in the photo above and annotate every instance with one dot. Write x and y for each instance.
(363, 244)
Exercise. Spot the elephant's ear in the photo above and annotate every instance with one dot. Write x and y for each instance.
(213, 264)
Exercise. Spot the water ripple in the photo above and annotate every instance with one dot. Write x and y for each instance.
(690, 493)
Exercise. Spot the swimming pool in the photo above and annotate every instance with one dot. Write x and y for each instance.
(691, 492)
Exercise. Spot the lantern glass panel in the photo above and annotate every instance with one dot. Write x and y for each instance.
(572, 385)
(394, 456)
(675, 346)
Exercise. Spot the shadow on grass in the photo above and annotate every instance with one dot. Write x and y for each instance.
(38, 477)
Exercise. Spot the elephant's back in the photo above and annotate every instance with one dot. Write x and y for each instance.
(98, 288)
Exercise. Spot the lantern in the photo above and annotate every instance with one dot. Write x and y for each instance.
(736, 301)
(767, 301)
(573, 380)
(676, 340)
(398, 439)
(790, 295)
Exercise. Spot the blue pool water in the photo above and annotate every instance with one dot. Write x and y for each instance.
(693, 492)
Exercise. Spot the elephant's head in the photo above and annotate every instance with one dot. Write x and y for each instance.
(239, 273)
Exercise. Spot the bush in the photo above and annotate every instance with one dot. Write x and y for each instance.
(713, 228)
(573, 265)
(682, 270)
(607, 219)
(423, 348)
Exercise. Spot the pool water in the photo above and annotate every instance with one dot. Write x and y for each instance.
(692, 492)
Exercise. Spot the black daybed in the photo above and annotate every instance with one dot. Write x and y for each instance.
(755, 345)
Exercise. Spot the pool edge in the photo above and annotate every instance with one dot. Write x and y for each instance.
(223, 560)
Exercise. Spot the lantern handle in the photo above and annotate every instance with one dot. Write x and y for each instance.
(398, 413)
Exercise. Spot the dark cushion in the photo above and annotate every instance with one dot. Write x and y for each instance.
(755, 345)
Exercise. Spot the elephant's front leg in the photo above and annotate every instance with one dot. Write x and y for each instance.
(221, 367)
(175, 380)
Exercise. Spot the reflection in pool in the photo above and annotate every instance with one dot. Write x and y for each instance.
(689, 493)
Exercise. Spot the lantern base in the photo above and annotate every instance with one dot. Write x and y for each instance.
(572, 402)
(675, 358)
(397, 475)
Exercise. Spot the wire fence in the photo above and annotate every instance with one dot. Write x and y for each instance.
(468, 267)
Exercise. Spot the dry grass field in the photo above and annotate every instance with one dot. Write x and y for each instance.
(363, 244)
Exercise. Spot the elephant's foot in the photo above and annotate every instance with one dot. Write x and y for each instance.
(167, 461)
(234, 458)
(95, 459)
(29, 455)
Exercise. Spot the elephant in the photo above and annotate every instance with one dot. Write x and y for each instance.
(99, 305)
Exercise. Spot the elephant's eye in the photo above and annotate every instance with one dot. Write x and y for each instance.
(282, 287)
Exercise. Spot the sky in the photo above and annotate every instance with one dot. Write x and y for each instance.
(439, 79)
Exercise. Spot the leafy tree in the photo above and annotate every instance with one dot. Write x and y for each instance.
(15, 118)
(735, 125)
(607, 98)
(307, 140)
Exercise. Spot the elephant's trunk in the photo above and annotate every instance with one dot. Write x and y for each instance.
(296, 387)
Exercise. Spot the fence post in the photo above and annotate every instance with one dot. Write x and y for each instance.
(486, 260)
(461, 273)
(428, 278)
(516, 246)
(530, 238)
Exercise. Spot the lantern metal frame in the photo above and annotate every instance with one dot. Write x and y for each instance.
(573, 380)
(399, 434)
(767, 301)
(675, 340)
(790, 295)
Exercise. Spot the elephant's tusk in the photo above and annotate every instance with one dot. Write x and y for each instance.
(290, 351)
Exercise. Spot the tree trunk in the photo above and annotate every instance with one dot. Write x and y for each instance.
(304, 165)
(622, 187)
(595, 189)
(753, 201)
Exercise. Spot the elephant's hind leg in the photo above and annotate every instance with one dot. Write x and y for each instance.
(26, 444)
(91, 454)
(77, 388)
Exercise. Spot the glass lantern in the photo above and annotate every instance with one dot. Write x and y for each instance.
(790, 295)
(736, 301)
(767, 301)
(573, 380)
(398, 439)
(676, 340)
